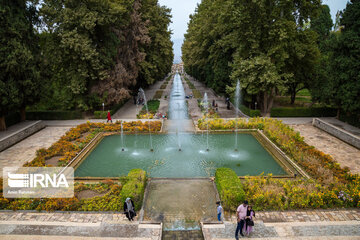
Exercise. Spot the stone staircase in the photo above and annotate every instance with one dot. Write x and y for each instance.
(182, 235)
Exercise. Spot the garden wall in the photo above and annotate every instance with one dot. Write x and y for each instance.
(337, 132)
(20, 135)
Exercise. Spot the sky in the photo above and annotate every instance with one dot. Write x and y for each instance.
(182, 9)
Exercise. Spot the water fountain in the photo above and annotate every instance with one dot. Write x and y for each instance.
(206, 106)
(237, 104)
(122, 137)
(142, 93)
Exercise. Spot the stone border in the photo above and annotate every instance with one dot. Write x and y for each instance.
(337, 132)
(21, 134)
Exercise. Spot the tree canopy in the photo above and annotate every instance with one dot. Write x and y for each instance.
(77, 54)
(264, 44)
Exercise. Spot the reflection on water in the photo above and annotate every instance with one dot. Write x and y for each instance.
(108, 159)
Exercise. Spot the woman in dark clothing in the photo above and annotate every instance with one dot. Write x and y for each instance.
(249, 221)
(129, 209)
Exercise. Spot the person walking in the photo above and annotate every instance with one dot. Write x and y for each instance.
(219, 210)
(240, 216)
(109, 117)
(249, 222)
(129, 209)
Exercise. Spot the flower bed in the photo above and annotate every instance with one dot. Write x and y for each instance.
(113, 200)
(322, 167)
(72, 142)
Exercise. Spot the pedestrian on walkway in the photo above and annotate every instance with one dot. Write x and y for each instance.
(109, 117)
(249, 222)
(129, 209)
(219, 210)
(240, 216)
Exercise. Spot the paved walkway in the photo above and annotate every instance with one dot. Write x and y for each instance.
(130, 110)
(58, 225)
(313, 224)
(24, 151)
(222, 110)
(343, 153)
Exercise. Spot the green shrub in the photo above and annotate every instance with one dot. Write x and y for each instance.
(158, 94)
(196, 93)
(249, 112)
(153, 106)
(353, 118)
(191, 86)
(113, 110)
(53, 115)
(229, 187)
(163, 86)
(12, 118)
(303, 112)
(135, 187)
(100, 114)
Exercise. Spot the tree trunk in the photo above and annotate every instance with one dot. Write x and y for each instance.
(268, 100)
(22, 114)
(338, 113)
(2, 123)
(293, 96)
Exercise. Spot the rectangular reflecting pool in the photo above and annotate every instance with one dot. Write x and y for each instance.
(166, 161)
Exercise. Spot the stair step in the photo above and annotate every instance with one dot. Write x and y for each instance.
(182, 235)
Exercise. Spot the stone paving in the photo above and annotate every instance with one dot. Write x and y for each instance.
(83, 224)
(314, 224)
(345, 154)
(25, 150)
(222, 110)
(311, 224)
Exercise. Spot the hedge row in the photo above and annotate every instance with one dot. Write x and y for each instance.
(303, 112)
(249, 112)
(53, 115)
(135, 187)
(158, 94)
(353, 119)
(196, 93)
(113, 110)
(229, 187)
(12, 119)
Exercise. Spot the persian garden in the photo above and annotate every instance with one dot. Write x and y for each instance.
(264, 107)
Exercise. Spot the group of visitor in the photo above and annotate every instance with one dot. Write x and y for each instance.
(244, 216)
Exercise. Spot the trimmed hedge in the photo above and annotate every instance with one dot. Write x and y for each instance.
(249, 112)
(229, 187)
(196, 93)
(352, 119)
(53, 115)
(12, 119)
(113, 110)
(135, 187)
(303, 112)
(158, 94)
(100, 114)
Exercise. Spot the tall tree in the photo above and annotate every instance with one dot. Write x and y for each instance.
(19, 76)
(226, 37)
(345, 61)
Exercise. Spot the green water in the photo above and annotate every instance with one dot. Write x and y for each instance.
(107, 159)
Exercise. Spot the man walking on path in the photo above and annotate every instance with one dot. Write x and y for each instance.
(240, 215)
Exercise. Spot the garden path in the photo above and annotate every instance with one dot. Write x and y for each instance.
(311, 224)
(345, 154)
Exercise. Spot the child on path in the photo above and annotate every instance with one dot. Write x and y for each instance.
(219, 210)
